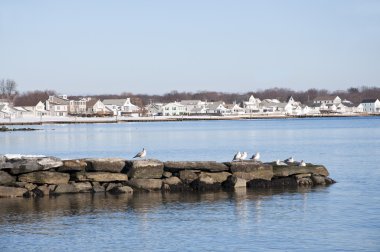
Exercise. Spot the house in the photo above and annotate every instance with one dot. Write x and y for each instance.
(121, 106)
(96, 106)
(57, 106)
(328, 108)
(328, 100)
(371, 105)
(191, 105)
(216, 108)
(234, 109)
(78, 107)
(154, 109)
(8, 112)
(32, 109)
(173, 109)
(252, 105)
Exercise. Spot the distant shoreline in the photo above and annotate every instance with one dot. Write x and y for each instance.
(82, 120)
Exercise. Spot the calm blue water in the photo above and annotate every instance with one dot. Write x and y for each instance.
(343, 217)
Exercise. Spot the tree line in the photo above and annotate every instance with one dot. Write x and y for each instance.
(354, 94)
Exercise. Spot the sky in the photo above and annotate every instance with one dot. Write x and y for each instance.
(80, 47)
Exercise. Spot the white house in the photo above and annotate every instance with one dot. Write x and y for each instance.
(193, 105)
(371, 105)
(154, 109)
(96, 106)
(173, 109)
(216, 108)
(234, 109)
(78, 107)
(121, 106)
(8, 112)
(328, 100)
(252, 105)
(57, 106)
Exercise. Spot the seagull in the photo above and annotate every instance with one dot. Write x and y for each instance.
(243, 155)
(278, 162)
(141, 154)
(256, 157)
(289, 160)
(237, 156)
(302, 163)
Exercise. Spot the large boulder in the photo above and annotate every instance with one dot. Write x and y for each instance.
(218, 177)
(45, 177)
(121, 190)
(235, 182)
(286, 171)
(278, 182)
(73, 188)
(205, 182)
(249, 170)
(209, 166)
(6, 179)
(146, 184)
(173, 184)
(188, 176)
(145, 169)
(10, 192)
(73, 166)
(105, 165)
(20, 165)
(99, 176)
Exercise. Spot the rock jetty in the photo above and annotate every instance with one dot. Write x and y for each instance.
(38, 176)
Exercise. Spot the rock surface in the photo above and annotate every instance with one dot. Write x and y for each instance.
(146, 184)
(145, 169)
(234, 181)
(249, 170)
(105, 165)
(6, 179)
(45, 177)
(99, 176)
(210, 166)
(73, 166)
(10, 192)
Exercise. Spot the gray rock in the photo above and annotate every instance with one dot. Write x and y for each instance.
(105, 165)
(218, 177)
(235, 182)
(96, 187)
(121, 190)
(10, 192)
(166, 174)
(145, 169)
(49, 162)
(205, 182)
(106, 176)
(6, 179)
(146, 184)
(30, 186)
(111, 186)
(318, 180)
(79, 176)
(188, 176)
(45, 177)
(73, 166)
(73, 188)
(304, 181)
(30, 164)
(286, 171)
(44, 189)
(276, 182)
(209, 166)
(249, 170)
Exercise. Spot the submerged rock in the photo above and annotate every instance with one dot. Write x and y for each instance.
(10, 192)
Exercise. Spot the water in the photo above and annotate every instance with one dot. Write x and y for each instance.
(344, 216)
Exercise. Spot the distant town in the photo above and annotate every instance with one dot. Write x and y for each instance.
(61, 106)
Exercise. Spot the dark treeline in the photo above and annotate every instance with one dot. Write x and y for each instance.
(356, 95)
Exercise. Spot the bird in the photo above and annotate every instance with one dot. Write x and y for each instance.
(256, 157)
(302, 163)
(243, 155)
(278, 162)
(237, 156)
(289, 160)
(141, 154)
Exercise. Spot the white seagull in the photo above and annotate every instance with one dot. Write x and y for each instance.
(237, 156)
(243, 155)
(302, 163)
(141, 154)
(278, 162)
(256, 157)
(289, 160)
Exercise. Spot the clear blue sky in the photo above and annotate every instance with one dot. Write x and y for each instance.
(92, 47)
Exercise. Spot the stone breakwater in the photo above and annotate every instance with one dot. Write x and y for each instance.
(38, 176)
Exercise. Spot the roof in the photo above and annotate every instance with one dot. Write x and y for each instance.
(369, 100)
(190, 102)
(214, 106)
(117, 102)
(326, 98)
(91, 102)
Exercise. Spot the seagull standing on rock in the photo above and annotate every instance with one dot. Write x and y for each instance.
(289, 160)
(244, 155)
(237, 156)
(278, 162)
(302, 163)
(256, 157)
(141, 154)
